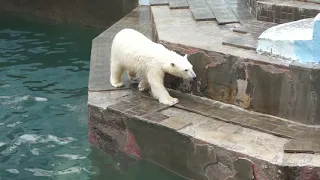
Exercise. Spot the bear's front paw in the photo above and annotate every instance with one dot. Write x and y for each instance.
(170, 102)
(117, 85)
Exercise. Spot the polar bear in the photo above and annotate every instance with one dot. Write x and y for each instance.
(138, 55)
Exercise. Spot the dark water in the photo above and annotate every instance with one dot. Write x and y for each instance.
(43, 106)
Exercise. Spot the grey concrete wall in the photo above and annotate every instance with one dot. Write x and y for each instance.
(289, 92)
(97, 13)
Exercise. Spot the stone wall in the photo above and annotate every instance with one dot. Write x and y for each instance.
(288, 92)
(139, 127)
(281, 11)
(97, 13)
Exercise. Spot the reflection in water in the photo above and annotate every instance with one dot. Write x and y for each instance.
(43, 107)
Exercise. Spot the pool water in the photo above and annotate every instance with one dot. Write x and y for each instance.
(44, 69)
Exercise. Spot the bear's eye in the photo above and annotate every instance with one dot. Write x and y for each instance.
(172, 64)
(186, 70)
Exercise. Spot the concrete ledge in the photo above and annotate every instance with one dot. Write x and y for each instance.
(190, 144)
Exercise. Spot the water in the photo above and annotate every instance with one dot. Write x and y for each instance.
(43, 106)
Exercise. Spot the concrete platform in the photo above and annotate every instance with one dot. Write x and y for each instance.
(203, 137)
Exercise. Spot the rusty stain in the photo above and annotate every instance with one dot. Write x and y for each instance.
(211, 65)
(273, 69)
(191, 51)
(255, 171)
(92, 136)
(223, 94)
(290, 76)
(199, 141)
(309, 173)
(245, 101)
(131, 147)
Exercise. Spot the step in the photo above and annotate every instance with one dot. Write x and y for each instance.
(178, 4)
(159, 2)
(282, 11)
(312, 1)
(200, 10)
(203, 10)
(222, 11)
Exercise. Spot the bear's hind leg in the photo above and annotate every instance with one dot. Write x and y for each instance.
(116, 71)
(132, 75)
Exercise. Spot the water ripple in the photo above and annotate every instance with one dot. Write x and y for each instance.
(33, 138)
(14, 171)
(71, 156)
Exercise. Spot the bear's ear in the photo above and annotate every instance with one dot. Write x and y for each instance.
(186, 56)
(172, 64)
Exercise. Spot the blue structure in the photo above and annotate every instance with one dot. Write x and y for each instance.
(295, 41)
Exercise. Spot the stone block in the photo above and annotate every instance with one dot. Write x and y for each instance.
(245, 42)
(176, 150)
(302, 146)
(158, 2)
(222, 12)
(175, 123)
(200, 10)
(285, 11)
(178, 4)
(240, 29)
(265, 11)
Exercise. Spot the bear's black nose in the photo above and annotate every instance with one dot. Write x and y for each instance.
(195, 78)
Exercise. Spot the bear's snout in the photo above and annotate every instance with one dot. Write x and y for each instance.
(193, 76)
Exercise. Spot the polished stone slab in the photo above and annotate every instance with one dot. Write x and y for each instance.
(158, 2)
(200, 10)
(245, 42)
(178, 4)
(222, 12)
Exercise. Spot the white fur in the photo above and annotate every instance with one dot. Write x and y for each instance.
(135, 53)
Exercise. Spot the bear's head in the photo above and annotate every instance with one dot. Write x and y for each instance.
(180, 66)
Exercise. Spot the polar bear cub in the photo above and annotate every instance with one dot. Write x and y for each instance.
(131, 51)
